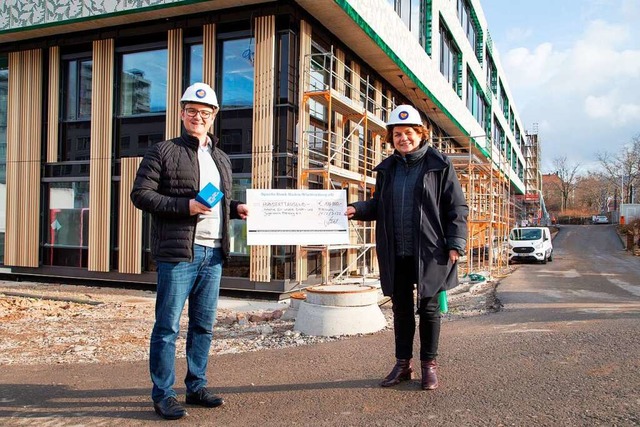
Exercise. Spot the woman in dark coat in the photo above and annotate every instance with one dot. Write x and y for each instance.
(421, 231)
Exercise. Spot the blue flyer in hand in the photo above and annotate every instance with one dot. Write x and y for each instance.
(209, 195)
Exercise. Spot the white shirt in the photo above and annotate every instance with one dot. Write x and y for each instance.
(209, 227)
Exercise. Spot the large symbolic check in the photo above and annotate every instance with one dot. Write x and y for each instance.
(297, 217)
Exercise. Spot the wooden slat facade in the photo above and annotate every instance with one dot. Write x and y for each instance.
(262, 156)
(174, 83)
(209, 54)
(303, 117)
(100, 161)
(130, 220)
(53, 109)
(24, 148)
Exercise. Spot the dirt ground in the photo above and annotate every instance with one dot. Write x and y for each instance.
(44, 323)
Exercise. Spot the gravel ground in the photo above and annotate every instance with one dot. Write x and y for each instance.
(64, 324)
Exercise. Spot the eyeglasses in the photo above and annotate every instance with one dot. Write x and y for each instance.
(192, 112)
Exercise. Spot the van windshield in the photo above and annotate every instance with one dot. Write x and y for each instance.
(526, 234)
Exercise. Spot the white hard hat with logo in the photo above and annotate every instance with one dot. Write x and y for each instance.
(200, 93)
(404, 115)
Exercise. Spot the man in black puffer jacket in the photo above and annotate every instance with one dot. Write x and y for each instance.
(189, 242)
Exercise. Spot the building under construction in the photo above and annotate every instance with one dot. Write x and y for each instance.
(305, 87)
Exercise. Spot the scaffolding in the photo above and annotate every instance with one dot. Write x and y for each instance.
(342, 130)
(532, 211)
(342, 127)
(486, 184)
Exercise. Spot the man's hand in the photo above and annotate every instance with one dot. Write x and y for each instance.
(453, 255)
(243, 211)
(196, 208)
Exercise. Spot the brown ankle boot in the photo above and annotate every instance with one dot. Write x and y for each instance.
(429, 375)
(402, 371)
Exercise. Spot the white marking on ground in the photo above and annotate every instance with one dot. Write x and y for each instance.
(632, 289)
(569, 274)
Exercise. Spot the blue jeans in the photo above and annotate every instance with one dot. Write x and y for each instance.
(199, 281)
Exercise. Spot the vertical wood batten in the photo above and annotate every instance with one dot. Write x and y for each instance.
(262, 143)
(303, 118)
(100, 162)
(209, 54)
(354, 162)
(13, 116)
(174, 83)
(130, 223)
(53, 110)
(23, 158)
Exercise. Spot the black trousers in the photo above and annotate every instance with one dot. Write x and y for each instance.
(404, 319)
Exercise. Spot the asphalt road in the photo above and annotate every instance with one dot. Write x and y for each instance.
(564, 351)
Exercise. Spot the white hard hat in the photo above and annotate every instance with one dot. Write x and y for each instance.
(200, 93)
(404, 115)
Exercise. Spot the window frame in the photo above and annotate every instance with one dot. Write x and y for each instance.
(453, 62)
(120, 51)
(153, 122)
(65, 123)
(188, 44)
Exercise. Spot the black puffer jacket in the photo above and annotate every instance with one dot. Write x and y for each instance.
(167, 179)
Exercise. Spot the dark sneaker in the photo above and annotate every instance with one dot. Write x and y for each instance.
(204, 397)
(170, 409)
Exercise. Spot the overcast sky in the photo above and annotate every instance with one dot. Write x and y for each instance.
(573, 67)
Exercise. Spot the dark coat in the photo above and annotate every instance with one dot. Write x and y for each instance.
(440, 219)
(168, 177)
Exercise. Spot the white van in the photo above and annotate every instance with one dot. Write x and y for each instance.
(530, 244)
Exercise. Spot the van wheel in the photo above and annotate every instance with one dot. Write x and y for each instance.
(550, 259)
(544, 261)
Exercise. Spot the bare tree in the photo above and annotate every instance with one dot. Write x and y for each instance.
(592, 191)
(623, 167)
(567, 174)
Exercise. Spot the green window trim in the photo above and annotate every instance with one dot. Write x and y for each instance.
(494, 82)
(479, 48)
(428, 27)
(489, 43)
(368, 30)
(488, 122)
(459, 82)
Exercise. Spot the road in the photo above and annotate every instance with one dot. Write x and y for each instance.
(563, 351)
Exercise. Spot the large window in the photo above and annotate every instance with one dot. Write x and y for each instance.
(504, 102)
(319, 77)
(142, 99)
(4, 93)
(450, 59)
(512, 120)
(238, 228)
(75, 123)
(468, 21)
(67, 236)
(412, 14)
(498, 135)
(492, 74)
(194, 63)
(143, 82)
(237, 73)
(235, 124)
(475, 99)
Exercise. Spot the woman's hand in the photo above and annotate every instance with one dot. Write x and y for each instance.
(351, 211)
